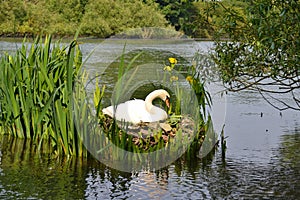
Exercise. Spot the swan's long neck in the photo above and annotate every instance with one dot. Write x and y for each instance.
(153, 95)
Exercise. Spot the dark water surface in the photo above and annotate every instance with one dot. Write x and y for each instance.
(262, 157)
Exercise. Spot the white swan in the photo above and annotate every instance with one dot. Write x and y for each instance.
(137, 110)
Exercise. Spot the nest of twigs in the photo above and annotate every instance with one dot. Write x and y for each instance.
(150, 134)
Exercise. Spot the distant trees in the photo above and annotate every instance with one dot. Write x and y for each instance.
(197, 18)
(100, 18)
(11, 12)
(185, 16)
(105, 17)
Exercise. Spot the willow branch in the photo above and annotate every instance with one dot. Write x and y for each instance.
(287, 106)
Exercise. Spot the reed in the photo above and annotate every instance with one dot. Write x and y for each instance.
(36, 94)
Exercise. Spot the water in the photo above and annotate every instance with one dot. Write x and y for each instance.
(262, 157)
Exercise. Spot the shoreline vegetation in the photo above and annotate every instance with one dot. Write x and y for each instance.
(43, 99)
(105, 18)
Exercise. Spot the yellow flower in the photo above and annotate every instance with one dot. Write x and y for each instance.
(190, 79)
(173, 60)
(167, 68)
(174, 78)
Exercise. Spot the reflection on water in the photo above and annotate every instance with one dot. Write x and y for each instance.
(27, 175)
(262, 161)
(255, 128)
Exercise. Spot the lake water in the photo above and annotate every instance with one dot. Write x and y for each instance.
(262, 157)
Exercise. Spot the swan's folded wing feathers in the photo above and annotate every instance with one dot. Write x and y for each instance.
(134, 111)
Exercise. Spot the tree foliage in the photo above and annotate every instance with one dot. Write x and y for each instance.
(263, 51)
(63, 17)
(187, 16)
(105, 17)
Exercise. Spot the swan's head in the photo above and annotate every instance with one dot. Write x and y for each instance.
(162, 94)
(166, 99)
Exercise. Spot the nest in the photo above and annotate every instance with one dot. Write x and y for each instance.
(152, 133)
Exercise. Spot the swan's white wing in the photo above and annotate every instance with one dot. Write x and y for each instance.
(157, 114)
(132, 111)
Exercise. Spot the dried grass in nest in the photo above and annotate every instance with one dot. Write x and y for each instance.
(149, 134)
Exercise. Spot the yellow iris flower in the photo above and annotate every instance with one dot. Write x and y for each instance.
(173, 60)
(190, 79)
(173, 78)
(167, 68)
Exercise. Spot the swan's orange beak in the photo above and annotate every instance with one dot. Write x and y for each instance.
(168, 101)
